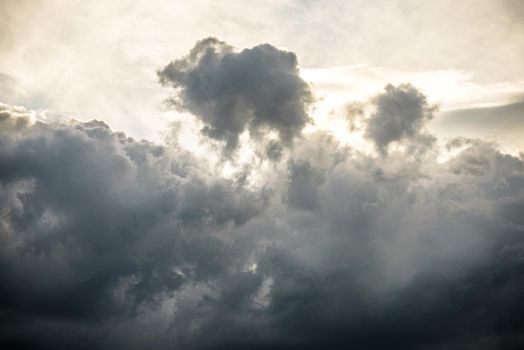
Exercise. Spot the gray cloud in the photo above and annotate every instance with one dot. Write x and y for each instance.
(379, 253)
(126, 244)
(255, 89)
(400, 114)
(96, 225)
(503, 123)
(303, 185)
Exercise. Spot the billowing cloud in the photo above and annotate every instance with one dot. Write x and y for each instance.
(129, 244)
(96, 225)
(258, 89)
(400, 114)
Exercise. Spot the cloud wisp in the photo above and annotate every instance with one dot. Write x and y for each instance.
(109, 242)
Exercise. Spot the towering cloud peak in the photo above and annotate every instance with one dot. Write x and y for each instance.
(257, 89)
(401, 112)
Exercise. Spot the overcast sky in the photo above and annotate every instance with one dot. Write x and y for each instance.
(262, 174)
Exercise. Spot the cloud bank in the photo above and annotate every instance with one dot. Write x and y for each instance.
(109, 242)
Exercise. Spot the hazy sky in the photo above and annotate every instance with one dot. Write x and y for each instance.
(261, 174)
(55, 53)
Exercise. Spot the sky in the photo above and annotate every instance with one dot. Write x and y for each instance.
(264, 174)
(53, 53)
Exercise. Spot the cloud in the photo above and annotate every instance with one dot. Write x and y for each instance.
(255, 89)
(303, 184)
(377, 252)
(96, 225)
(503, 123)
(129, 244)
(401, 112)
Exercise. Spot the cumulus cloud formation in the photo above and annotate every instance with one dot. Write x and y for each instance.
(400, 114)
(257, 89)
(96, 225)
(108, 242)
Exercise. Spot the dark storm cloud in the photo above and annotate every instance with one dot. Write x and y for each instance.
(118, 243)
(256, 89)
(96, 225)
(400, 114)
